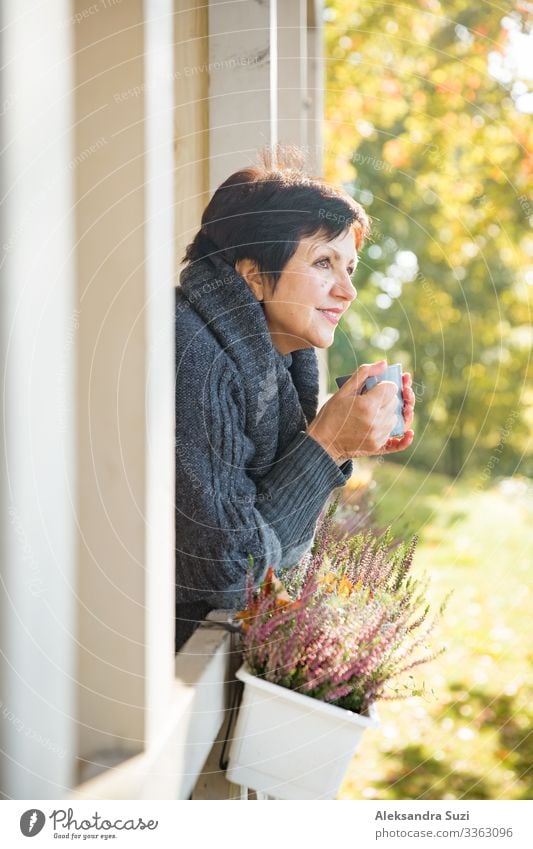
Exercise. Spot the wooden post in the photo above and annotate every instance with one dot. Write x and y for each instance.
(39, 329)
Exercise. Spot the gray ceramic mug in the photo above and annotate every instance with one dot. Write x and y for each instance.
(392, 373)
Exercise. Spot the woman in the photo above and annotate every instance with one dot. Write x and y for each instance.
(267, 279)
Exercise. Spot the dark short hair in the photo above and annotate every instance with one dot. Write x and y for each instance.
(262, 212)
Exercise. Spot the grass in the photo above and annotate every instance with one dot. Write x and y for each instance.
(472, 738)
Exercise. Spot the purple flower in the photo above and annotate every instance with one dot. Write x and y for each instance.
(344, 649)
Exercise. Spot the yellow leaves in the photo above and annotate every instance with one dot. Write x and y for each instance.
(340, 586)
(422, 30)
(329, 580)
(419, 100)
(395, 190)
(244, 617)
(437, 412)
(474, 81)
(395, 153)
(439, 76)
(475, 371)
(345, 587)
(391, 87)
(281, 600)
(438, 304)
(449, 87)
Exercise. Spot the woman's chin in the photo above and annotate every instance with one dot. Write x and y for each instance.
(311, 340)
(323, 340)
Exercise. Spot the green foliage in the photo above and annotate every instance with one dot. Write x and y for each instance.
(433, 145)
(473, 738)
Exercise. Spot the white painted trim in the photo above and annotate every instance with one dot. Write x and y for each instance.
(242, 101)
(169, 768)
(292, 73)
(185, 702)
(159, 361)
(38, 330)
(273, 44)
(111, 281)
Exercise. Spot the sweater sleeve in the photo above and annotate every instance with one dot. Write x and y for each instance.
(222, 517)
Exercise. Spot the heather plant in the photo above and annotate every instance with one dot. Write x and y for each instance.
(347, 625)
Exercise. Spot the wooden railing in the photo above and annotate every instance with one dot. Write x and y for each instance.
(184, 762)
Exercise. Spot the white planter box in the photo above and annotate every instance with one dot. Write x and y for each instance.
(289, 745)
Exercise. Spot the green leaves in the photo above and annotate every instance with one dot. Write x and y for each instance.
(433, 145)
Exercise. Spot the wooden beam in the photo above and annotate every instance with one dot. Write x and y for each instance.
(110, 231)
(242, 83)
(39, 325)
(191, 121)
(172, 763)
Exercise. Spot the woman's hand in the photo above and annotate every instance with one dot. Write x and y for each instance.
(400, 443)
(354, 425)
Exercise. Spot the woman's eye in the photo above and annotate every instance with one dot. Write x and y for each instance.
(325, 262)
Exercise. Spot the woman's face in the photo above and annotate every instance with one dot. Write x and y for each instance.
(312, 293)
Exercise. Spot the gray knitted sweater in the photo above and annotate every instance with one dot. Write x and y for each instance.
(249, 480)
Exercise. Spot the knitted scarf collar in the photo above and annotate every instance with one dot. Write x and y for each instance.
(229, 308)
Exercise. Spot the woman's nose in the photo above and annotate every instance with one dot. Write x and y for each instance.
(345, 286)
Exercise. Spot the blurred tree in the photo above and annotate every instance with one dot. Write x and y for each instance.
(427, 127)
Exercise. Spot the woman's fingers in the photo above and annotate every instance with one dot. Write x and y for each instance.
(408, 395)
(409, 400)
(408, 414)
(398, 443)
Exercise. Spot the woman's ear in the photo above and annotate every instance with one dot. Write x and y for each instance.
(247, 268)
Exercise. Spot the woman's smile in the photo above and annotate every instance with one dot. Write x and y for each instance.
(331, 315)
